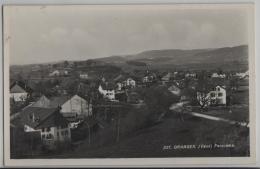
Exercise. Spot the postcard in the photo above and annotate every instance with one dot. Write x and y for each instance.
(129, 85)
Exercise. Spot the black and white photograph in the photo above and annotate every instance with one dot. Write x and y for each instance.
(129, 81)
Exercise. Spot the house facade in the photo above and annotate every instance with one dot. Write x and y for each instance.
(216, 75)
(19, 92)
(130, 82)
(217, 96)
(76, 106)
(59, 73)
(51, 125)
(190, 75)
(107, 90)
(83, 76)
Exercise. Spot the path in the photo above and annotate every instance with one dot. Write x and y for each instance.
(179, 107)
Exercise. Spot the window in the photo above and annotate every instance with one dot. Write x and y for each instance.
(43, 136)
(66, 133)
(218, 89)
(212, 94)
(49, 136)
(220, 94)
(42, 129)
(58, 134)
(48, 129)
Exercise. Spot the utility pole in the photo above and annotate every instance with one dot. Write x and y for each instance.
(118, 127)
(88, 133)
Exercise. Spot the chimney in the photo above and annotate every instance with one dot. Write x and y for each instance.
(33, 117)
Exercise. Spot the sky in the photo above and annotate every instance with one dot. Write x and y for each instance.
(40, 34)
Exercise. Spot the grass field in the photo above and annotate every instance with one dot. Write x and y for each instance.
(149, 142)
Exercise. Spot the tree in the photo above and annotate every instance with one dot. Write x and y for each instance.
(203, 88)
(65, 63)
(158, 100)
(233, 83)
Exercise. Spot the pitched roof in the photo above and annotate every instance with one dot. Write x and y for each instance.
(119, 78)
(107, 86)
(43, 101)
(58, 101)
(19, 87)
(167, 76)
(43, 117)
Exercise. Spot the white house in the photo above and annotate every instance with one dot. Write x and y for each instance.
(119, 86)
(217, 96)
(107, 90)
(83, 76)
(242, 74)
(149, 78)
(129, 82)
(19, 91)
(77, 106)
(55, 73)
(59, 73)
(216, 75)
(190, 75)
(51, 125)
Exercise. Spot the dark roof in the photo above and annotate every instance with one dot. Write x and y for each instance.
(58, 101)
(119, 78)
(43, 101)
(44, 117)
(22, 86)
(107, 86)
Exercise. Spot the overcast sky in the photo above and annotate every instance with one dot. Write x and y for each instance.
(45, 34)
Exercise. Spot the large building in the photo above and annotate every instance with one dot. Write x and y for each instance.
(217, 96)
(74, 106)
(51, 125)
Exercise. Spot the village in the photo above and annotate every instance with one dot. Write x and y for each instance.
(71, 107)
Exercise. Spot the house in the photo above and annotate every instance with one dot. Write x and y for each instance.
(51, 125)
(83, 76)
(130, 82)
(149, 78)
(242, 75)
(190, 75)
(166, 78)
(123, 82)
(216, 75)
(119, 86)
(107, 90)
(43, 102)
(175, 90)
(59, 73)
(19, 91)
(74, 106)
(217, 96)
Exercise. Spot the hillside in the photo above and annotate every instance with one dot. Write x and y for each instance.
(218, 57)
(228, 58)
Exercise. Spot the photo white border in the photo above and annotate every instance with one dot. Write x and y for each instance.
(151, 162)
